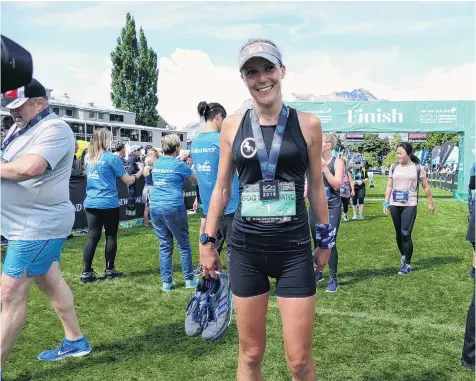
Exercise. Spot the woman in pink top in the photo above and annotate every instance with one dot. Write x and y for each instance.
(402, 199)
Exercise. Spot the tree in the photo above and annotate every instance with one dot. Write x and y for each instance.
(437, 139)
(395, 141)
(147, 84)
(134, 75)
(371, 160)
(390, 159)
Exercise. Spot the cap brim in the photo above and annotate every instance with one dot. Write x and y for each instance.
(16, 103)
(268, 57)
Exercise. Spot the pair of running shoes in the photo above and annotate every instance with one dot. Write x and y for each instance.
(210, 309)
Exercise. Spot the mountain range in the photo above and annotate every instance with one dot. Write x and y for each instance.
(356, 95)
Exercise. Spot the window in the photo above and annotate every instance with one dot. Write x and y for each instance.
(100, 115)
(92, 114)
(146, 136)
(116, 118)
(69, 112)
(131, 134)
(56, 110)
(77, 128)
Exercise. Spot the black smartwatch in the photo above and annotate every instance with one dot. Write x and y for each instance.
(205, 238)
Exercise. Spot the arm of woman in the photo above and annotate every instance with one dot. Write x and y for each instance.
(388, 191)
(221, 194)
(426, 188)
(335, 181)
(351, 182)
(131, 179)
(312, 131)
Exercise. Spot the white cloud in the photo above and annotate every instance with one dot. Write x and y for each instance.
(230, 32)
(84, 77)
(163, 15)
(190, 76)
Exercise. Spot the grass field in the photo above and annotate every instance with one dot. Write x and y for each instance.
(379, 326)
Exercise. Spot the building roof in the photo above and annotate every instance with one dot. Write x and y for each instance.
(84, 106)
(109, 124)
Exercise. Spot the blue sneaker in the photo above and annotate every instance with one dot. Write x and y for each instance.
(333, 285)
(77, 348)
(219, 309)
(196, 316)
(318, 277)
(191, 283)
(167, 287)
(402, 260)
(406, 269)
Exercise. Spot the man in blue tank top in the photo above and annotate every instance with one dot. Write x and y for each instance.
(205, 153)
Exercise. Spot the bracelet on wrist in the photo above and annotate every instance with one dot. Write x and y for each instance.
(386, 204)
(325, 236)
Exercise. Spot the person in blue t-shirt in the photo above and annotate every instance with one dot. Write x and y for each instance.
(102, 203)
(205, 153)
(167, 211)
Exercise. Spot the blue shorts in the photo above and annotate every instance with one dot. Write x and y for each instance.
(36, 257)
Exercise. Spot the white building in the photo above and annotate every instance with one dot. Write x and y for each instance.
(85, 118)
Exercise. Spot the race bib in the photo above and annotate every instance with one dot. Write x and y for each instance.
(259, 206)
(400, 196)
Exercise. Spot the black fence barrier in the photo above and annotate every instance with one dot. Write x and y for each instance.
(77, 194)
(448, 182)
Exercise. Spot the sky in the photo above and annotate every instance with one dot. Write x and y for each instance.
(395, 50)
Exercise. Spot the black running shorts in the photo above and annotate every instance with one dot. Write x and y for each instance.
(294, 274)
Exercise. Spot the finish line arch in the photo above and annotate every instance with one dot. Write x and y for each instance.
(404, 116)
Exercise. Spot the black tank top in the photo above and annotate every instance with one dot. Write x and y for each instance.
(292, 236)
(334, 200)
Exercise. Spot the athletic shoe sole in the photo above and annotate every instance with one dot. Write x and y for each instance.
(332, 291)
(88, 280)
(78, 354)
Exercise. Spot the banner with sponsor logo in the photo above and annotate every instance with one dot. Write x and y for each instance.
(425, 156)
(403, 117)
(446, 149)
(435, 155)
(77, 194)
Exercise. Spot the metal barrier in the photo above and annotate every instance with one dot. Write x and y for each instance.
(447, 182)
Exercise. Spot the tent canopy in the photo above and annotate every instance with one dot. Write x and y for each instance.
(404, 116)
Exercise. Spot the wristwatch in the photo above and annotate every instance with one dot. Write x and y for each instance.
(205, 238)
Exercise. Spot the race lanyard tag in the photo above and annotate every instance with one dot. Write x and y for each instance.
(19, 133)
(268, 190)
(400, 196)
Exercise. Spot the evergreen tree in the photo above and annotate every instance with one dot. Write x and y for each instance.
(147, 84)
(134, 75)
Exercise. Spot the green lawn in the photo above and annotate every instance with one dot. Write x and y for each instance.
(379, 326)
